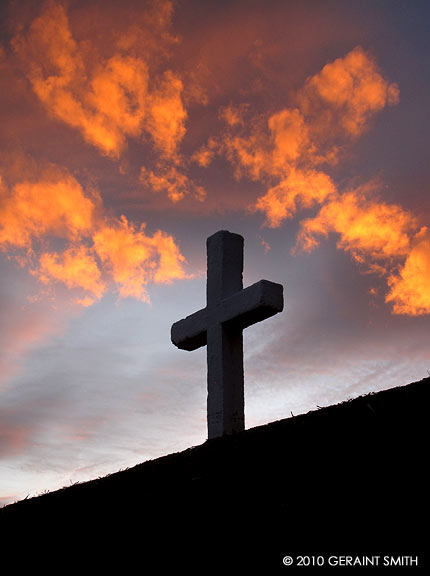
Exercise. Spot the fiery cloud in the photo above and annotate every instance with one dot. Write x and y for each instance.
(286, 151)
(382, 238)
(109, 93)
(136, 259)
(284, 148)
(410, 288)
(205, 154)
(369, 229)
(76, 267)
(167, 115)
(303, 189)
(170, 179)
(54, 204)
(55, 208)
(133, 89)
(107, 98)
(346, 93)
(290, 137)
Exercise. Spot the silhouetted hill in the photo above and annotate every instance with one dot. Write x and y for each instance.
(350, 479)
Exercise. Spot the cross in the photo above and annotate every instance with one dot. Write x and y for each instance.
(219, 326)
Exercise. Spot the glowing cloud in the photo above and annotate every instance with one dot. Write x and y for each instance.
(346, 93)
(136, 259)
(382, 238)
(55, 208)
(286, 149)
(107, 98)
(283, 148)
(54, 204)
(113, 93)
(169, 178)
(167, 115)
(303, 189)
(76, 267)
(205, 154)
(289, 135)
(410, 288)
(370, 230)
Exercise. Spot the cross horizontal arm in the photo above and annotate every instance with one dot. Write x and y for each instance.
(249, 306)
(190, 333)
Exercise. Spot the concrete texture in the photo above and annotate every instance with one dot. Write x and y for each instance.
(219, 326)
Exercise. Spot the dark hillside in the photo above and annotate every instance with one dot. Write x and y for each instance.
(345, 480)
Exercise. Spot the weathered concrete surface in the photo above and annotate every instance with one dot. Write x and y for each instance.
(219, 326)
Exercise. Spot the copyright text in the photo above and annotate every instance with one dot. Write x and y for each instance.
(350, 560)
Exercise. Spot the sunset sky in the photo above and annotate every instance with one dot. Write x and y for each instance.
(130, 132)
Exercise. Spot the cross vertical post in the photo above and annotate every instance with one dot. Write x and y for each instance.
(225, 400)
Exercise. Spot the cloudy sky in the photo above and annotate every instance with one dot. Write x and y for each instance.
(130, 132)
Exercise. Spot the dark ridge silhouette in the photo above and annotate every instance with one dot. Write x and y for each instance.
(350, 479)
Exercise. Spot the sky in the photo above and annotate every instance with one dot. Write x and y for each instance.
(132, 131)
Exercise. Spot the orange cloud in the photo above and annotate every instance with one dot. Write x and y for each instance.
(167, 115)
(135, 259)
(283, 148)
(346, 93)
(410, 288)
(54, 204)
(97, 249)
(372, 231)
(113, 93)
(119, 91)
(286, 149)
(290, 136)
(206, 153)
(232, 116)
(265, 148)
(249, 154)
(170, 260)
(382, 238)
(107, 98)
(76, 267)
(303, 189)
(169, 178)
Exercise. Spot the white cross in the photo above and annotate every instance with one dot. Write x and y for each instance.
(229, 310)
